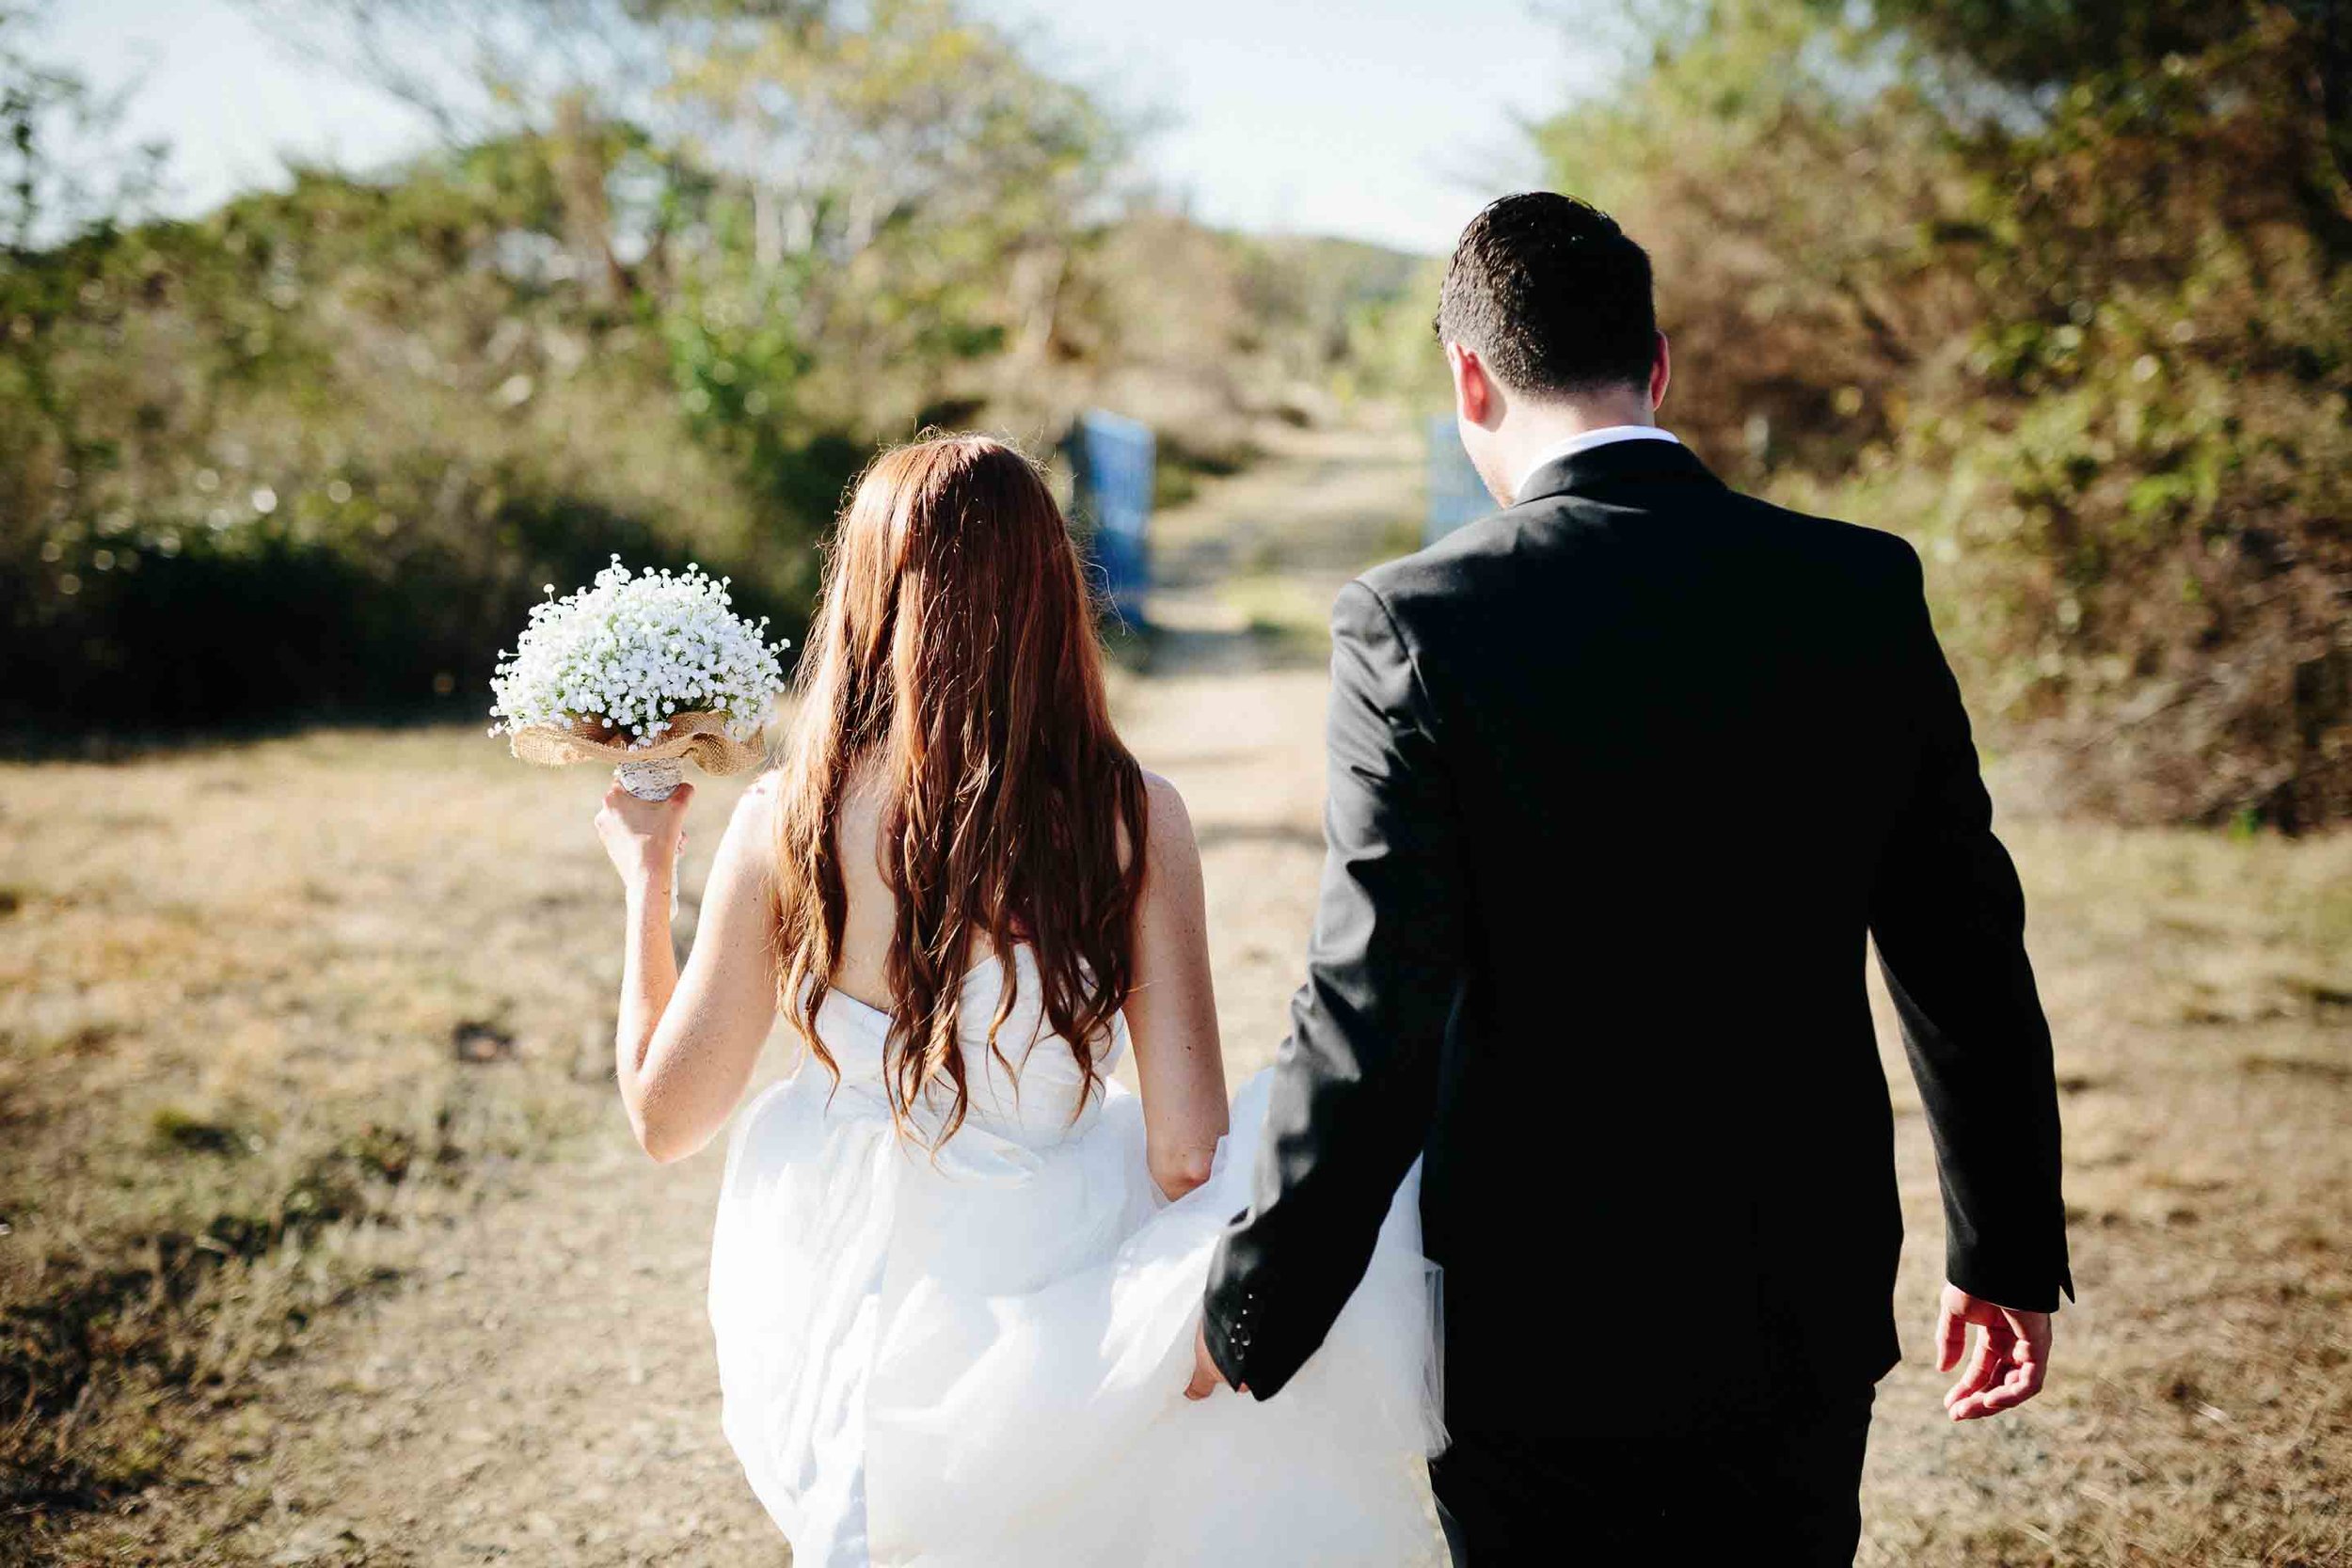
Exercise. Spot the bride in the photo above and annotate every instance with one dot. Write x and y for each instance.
(957, 1269)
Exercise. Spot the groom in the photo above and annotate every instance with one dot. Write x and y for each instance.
(1621, 779)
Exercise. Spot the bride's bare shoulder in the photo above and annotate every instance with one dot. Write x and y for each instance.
(1166, 824)
(754, 816)
(1164, 805)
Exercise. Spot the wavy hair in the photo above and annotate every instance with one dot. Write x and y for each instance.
(955, 669)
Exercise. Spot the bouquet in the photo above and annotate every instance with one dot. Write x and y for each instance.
(642, 671)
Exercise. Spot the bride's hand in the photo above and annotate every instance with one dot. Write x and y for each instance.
(1207, 1377)
(643, 837)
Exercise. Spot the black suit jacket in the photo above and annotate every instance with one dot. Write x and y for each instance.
(1621, 779)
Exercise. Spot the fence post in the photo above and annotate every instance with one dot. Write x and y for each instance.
(1457, 494)
(1111, 461)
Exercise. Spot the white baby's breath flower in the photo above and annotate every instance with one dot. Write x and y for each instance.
(631, 650)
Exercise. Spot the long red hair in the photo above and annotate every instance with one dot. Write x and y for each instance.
(955, 668)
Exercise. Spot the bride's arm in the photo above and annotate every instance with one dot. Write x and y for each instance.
(1171, 1015)
(686, 1043)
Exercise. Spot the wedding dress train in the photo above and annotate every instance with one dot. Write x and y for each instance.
(977, 1357)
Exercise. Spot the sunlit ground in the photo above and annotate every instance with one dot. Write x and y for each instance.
(323, 1235)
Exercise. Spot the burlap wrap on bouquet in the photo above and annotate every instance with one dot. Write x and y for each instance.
(701, 737)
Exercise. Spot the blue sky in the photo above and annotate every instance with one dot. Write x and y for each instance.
(1381, 119)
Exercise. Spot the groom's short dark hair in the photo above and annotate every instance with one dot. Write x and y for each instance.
(1552, 296)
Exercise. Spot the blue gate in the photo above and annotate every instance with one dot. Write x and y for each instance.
(1457, 494)
(1111, 461)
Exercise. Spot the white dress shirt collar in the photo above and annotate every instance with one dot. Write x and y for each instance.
(1585, 440)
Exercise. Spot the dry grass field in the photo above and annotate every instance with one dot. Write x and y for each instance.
(325, 1242)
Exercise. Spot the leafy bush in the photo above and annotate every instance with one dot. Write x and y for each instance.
(2062, 292)
(313, 453)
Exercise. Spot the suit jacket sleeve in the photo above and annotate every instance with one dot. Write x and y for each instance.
(1949, 920)
(1355, 1084)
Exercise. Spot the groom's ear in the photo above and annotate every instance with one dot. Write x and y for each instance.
(1473, 394)
(1661, 370)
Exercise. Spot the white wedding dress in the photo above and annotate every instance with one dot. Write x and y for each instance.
(980, 1357)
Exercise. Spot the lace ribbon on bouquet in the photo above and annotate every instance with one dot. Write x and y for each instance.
(650, 771)
(702, 736)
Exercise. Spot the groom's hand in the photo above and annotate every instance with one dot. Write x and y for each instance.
(2012, 1354)
(1206, 1379)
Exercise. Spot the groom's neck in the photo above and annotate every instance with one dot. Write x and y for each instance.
(1539, 426)
(1532, 429)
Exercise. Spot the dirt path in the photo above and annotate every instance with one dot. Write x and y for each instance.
(542, 1392)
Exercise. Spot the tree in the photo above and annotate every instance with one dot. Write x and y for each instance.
(2063, 292)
